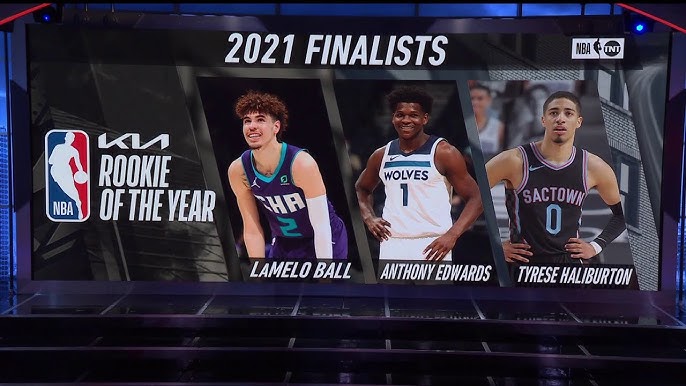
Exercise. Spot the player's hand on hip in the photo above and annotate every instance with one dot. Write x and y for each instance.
(440, 247)
(516, 252)
(379, 228)
(579, 249)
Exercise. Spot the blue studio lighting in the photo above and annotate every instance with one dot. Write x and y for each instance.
(638, 24)
(47, 15)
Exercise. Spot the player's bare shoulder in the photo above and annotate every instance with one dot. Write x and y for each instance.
(508, 156)
(448, 158)
(595, 163)
(237, 174)
(505, 166)
(369, 177)
(598, 170)
(446, 148)
(374, 160)
(304, 161)
(379, 152)
(305, 169)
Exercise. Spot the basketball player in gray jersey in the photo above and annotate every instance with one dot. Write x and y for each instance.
(419, 172)
(546, 183)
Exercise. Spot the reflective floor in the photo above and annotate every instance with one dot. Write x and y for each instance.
(145, 304)
(221, 339)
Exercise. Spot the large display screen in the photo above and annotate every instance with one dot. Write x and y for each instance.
(274, 153)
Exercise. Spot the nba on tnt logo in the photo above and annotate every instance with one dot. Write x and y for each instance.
(67, 176)
(598, 48)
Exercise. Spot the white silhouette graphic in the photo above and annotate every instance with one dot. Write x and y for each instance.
(61, 172)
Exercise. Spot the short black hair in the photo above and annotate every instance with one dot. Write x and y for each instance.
(410, 94)
(563, 95)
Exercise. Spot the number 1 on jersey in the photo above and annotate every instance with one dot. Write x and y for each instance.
(404, 189)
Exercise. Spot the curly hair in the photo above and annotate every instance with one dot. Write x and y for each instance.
(410, 94)
(265, 103)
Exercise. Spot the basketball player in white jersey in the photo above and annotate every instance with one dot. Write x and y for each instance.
(419, 172)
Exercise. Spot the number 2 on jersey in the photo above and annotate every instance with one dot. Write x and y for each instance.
(288, 227)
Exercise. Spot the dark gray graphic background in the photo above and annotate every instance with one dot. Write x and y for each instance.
(159, 84)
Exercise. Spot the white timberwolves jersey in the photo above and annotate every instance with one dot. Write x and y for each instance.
(417, 195)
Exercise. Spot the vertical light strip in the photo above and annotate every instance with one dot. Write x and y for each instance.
(681, 236)
(6, 255)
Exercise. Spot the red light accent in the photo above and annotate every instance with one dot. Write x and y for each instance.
(657, 19)
(22, 13)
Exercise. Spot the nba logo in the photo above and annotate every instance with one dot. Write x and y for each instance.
(67, 176)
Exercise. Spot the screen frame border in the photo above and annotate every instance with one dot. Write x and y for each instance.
(21, 166)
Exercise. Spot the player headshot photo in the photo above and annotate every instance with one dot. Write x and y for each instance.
(419, 172)
(279, 170)
(555, 182)
(417, 195)
(285, 182)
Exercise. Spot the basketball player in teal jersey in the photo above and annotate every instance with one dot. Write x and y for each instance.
(419, 172)
(546, 183)
(284, 181)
